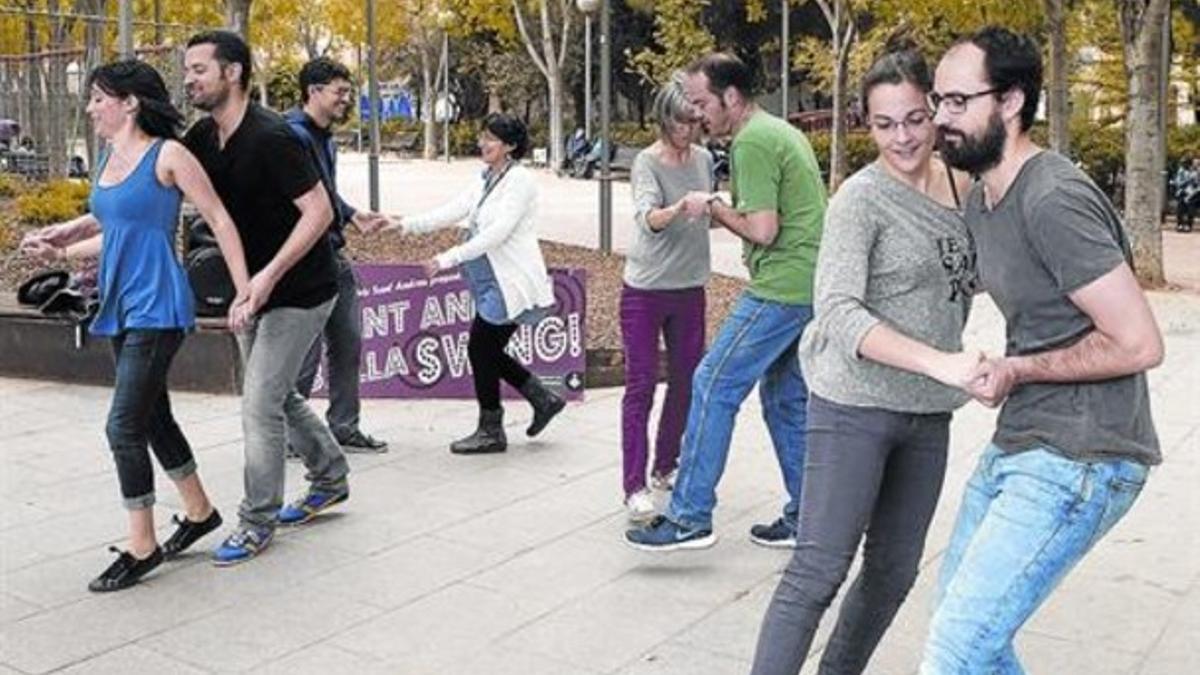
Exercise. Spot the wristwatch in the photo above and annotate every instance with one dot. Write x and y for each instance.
(715, 197)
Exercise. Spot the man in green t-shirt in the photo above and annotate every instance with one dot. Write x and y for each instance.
(778, 208)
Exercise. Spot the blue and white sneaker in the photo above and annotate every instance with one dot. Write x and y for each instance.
(664, 535)
(242, 545)
(307, 507)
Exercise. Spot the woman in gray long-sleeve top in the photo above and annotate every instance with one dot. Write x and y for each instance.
(884, 364)
(665, 273)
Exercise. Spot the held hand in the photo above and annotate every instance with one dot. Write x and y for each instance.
(431, 267)
(259, 291)
(995, 380)
(238, 314)
(694, 204)
(385, 220)
(369, 222)
(959, 369)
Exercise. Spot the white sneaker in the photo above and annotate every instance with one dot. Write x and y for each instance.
(640, 506)
(664, 483)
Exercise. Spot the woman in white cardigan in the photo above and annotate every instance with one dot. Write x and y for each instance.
(502, 262)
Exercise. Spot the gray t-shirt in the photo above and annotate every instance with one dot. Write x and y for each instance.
(888, 254)
(1052, 233)
(677, 256)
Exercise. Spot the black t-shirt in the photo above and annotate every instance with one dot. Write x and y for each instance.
(260, 171)
(1051, 234)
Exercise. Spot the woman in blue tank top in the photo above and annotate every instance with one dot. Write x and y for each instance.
(146, 304)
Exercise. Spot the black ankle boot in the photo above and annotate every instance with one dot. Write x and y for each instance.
(546, 404)
(489, 437)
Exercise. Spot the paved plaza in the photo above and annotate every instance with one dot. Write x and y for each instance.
(513, 563)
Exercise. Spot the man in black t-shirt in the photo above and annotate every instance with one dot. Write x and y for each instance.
(1074, 440)
(270, 187)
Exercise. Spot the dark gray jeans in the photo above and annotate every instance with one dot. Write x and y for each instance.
(342, 335)
(868, 471)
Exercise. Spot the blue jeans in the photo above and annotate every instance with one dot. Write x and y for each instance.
(1026, 519)
(141, 414)
(756, 344)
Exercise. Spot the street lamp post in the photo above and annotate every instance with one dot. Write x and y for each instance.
(784, 65)
(587, 77)
(445, 20)
(589, 7)
(373, 101)
(125, 29)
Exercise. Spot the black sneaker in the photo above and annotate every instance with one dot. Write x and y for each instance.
(126, 571)
(358, 442)
(188, 533)
(779, 534)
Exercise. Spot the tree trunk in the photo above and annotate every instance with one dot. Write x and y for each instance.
(550, 64)
(1142, 23)
(237, 17)
(1058, 104)
(428, 98)
(35, 113)
(56, 96)
(837, 151)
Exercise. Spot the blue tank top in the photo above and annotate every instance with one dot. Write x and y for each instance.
(142, 284)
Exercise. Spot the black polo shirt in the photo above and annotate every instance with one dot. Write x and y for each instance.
(261, 170)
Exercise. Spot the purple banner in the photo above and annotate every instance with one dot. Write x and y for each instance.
(415, 332)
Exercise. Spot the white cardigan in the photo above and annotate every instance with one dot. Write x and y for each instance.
(507, 236)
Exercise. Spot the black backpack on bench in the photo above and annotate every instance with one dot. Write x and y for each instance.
(206, 270)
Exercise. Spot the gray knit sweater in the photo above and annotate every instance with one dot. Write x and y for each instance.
(888, 254)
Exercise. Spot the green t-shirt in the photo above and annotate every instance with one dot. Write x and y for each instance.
(774, 169)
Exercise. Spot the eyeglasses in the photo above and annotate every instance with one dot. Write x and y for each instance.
(956, 103)
(887, 125)
(340, 92)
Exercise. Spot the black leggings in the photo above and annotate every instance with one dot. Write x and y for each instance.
(491, 364)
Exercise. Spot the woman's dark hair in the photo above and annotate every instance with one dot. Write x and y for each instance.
(509, 129)
(228, 47)
(156, 115)
(902, 64)
(1012, 61)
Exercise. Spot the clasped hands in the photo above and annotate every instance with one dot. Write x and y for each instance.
(987, 380)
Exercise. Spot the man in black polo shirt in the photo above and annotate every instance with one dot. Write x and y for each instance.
(282, 212)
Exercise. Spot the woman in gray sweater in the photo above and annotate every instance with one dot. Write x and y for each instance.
(884, 364)
(663, 294)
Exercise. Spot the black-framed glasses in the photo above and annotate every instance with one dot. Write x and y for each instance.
(956, 103)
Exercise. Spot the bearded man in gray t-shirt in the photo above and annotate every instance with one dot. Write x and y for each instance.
(1074, 440)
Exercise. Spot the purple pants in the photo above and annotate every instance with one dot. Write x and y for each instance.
(679, 317)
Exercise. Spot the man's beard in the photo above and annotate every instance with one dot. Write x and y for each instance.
(975, 155)
(210, 102)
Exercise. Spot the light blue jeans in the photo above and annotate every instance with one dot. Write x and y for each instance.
(273, 347)
(1026, 519)
(756, 344)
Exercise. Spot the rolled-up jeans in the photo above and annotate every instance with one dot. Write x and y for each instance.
(273, 348)
(141, 414)
(1026, 519)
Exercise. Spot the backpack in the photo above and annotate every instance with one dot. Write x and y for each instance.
(207, 274)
